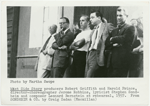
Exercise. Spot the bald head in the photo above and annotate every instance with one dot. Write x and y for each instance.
(52, 29)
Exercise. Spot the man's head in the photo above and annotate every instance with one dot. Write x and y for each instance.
(134, 22)
(84, 22)
(96, 18)
(121, 15)
(52, 29)
(64, 23)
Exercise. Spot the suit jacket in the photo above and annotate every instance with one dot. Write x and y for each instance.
(124, 38)
(45, 60)
(105, 29)
(61, 56)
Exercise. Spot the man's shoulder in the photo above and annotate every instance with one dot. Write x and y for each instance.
(128, 26)
(69, 32)
(86, 31)
(110, 26)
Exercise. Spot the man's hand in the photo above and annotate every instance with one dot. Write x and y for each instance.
(111, 38)
(137, 50)
(62, 47)
(115, 45)
(141, 50)
(44, 52)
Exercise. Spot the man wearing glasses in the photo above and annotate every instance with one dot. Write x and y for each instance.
(61, 56)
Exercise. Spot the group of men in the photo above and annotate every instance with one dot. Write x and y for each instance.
(103, 51)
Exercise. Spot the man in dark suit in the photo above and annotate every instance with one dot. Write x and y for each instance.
(61, 56)
(119, 43)
(95, 66)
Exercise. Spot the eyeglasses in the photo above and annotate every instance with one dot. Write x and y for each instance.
(62, 23)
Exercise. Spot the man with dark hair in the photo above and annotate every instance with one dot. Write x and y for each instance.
(80, 46)
(61, 56)
(65, 18)
(120, 43)
(95, 66)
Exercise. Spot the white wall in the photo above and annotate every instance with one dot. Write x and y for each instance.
(69, 13)
(134, 12)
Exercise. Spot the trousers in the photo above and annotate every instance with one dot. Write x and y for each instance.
(79, 62)
(92, 67)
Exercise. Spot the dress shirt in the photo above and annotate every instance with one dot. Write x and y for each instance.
(83, 35)
(49, 45)
(95, 37)
(66, 30)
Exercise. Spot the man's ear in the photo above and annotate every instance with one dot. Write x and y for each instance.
(99, 17)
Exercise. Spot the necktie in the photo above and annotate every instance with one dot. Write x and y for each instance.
(120, 26)
(43, 48)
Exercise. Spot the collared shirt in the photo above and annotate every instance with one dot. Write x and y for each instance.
(66, 30)
(120, 26)
(95, 41)
(52, 39)
(98, 36)
(86, 35)
(49, 45)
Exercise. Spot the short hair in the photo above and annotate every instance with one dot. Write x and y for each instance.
(67, 20)
(86, 16)
(133, 19)
(123, 9)
(54, 27)
(98, 14)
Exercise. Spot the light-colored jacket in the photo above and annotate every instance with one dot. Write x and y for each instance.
(105, 30)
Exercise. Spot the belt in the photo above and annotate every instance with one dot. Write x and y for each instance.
(79, 51)
(93, 50)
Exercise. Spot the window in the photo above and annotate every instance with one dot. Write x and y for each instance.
(41, 19)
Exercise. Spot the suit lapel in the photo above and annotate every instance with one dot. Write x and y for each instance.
(65, 33)
(101, 30)
(122, 29)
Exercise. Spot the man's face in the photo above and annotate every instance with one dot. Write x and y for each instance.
(134, 22)
(63, 24)
(94, 19)
(83, 22)
(121, 17)
(50, 30)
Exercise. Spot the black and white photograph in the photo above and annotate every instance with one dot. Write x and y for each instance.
(75, 41)
(75, 52)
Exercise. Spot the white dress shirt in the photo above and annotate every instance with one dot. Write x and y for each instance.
(83, 35)
(50, 50)
(95, 39)
(66, 30)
